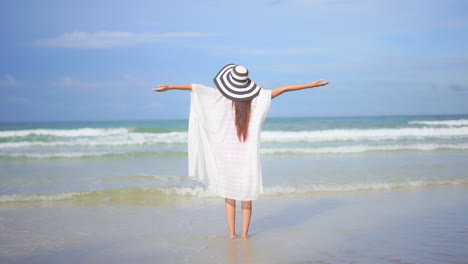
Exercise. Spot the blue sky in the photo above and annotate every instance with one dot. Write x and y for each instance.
(98, 60)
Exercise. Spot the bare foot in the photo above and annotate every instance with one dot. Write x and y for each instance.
(232, 236)
(245, 236)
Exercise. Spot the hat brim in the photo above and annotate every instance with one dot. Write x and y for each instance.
(233, 90)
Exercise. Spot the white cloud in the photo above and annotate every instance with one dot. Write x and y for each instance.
(128, 82)
(8, 81)
(105, 39)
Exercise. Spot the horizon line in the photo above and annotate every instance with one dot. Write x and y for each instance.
(272, 117)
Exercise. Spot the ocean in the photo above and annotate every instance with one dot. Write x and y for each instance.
(70, 160)
(390, 189)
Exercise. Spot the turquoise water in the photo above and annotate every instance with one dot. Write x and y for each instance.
(72, 160)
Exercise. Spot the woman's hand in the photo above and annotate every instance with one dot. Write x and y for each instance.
(318, 83)
(163, 88)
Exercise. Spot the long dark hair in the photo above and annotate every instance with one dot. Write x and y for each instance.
(242, 118)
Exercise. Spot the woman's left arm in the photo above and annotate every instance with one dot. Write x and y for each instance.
(280, 90)
(165, 87)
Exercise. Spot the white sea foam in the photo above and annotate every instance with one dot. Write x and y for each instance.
(198, 191)
(363, 134)
(58, 154)
(461, 122)
(37, 197)
(121, 137)
(365, 148)
(372, 186)
(285, 150)
(111, 140)
(64, 132)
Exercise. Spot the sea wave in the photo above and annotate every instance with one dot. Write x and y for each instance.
(121, 140)
(461, 122)
(80, 132)
(110, 194)
(155, 193)
(365, 148)
(268, 151)
(37, 197)
(55, 155)
(363, 134)
(59, 154)
(371, 186)
(122, 137)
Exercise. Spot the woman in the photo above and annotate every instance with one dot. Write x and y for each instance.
(224, 137)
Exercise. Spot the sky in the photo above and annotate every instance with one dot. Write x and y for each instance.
(98, 60)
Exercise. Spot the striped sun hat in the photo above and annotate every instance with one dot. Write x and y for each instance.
(234, 83)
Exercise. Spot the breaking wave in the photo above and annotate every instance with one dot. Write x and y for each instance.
(365, 148)
(80, 132)
(461, 122)
(121, 137)
(364, 134)
(268, 151)
(149, 194)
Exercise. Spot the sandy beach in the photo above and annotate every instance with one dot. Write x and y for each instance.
(400, 226)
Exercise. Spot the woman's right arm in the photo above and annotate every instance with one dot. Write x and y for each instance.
(165, 87)
(288, 88)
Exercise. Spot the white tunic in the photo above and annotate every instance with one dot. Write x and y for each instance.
(227, 167)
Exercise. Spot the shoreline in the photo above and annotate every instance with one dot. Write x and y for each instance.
(154, 196)
(409, 226)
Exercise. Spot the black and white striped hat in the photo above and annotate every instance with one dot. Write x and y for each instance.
(234, 83)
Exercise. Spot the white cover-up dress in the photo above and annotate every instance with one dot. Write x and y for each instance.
(227, 167)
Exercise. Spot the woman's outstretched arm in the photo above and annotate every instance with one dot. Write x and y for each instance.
(288, 88)
(165, 87)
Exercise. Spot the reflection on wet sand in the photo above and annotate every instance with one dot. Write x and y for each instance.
(238, 250)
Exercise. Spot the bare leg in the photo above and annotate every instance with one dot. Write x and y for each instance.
(246, 213)
(230, 206)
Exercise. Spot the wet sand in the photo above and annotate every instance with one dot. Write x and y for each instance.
(399, 226)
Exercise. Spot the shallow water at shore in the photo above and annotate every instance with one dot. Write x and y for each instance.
(406, 226)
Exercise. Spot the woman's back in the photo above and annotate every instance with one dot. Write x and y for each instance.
(228, 167)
